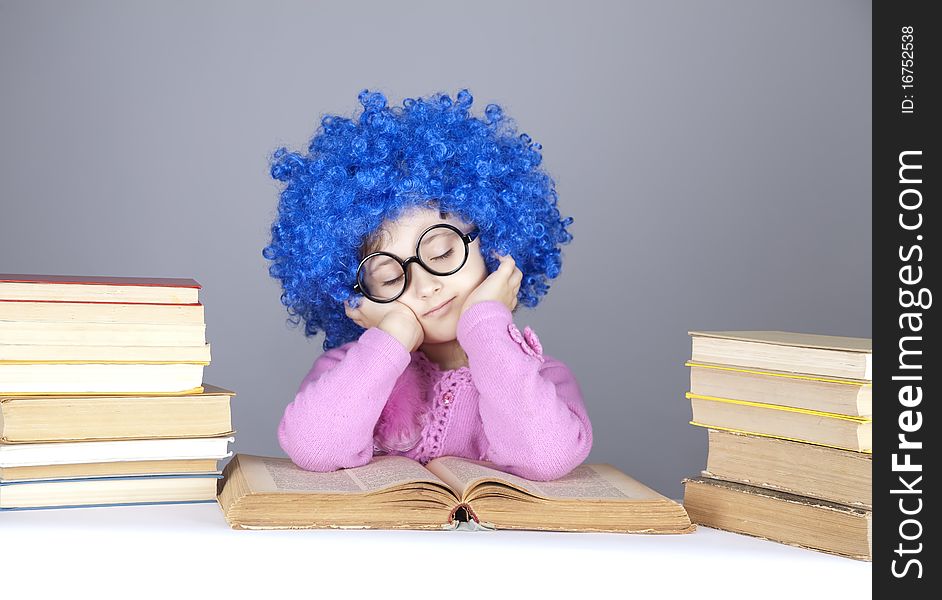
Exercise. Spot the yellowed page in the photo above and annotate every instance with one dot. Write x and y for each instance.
(265, 474)
(602, 482)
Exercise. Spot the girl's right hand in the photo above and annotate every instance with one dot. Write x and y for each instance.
(395, 318)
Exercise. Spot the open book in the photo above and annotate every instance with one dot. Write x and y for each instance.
(395, 492)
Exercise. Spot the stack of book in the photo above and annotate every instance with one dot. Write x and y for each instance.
(101, 393)
(789, 419)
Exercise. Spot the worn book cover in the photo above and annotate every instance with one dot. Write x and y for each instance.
(798, 468)
(787, 518)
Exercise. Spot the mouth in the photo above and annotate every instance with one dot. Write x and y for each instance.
(440, 309)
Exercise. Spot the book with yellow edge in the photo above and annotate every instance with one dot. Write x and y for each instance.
(852, 397)
(57, 418)
(395, 492)
(785, 422)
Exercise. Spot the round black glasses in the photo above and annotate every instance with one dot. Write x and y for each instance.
(441, 250)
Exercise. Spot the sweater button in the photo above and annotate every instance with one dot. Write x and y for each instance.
(447, 397)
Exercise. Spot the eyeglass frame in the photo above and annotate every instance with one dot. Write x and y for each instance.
(467, 238)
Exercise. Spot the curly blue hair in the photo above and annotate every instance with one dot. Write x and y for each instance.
(357, 174)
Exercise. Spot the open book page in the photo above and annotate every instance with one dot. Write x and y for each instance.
(600, 482)
(266, 474)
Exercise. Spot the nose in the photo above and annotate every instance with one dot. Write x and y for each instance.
(424, 283)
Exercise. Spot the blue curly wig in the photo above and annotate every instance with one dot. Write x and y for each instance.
(357, 174)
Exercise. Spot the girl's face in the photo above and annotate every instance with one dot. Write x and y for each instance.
(445, 295)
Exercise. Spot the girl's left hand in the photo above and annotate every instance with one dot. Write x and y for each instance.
(502, 285)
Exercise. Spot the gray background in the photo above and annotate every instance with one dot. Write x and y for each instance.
(718, 153)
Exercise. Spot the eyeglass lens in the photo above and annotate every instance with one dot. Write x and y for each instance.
(441, 250)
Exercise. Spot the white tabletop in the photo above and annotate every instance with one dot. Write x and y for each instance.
(189, 551)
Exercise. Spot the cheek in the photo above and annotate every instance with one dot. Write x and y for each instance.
(467, 283)
(474, 270)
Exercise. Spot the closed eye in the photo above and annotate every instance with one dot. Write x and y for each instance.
(445, 255)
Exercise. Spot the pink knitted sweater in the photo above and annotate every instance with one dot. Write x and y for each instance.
(511, 405)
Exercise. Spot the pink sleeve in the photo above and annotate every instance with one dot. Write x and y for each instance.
(329, 425)
(531, 406)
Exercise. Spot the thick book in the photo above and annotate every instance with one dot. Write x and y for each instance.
(804, 353)
(73, 453)
(108, 491)
(53, 353)
(99, 378)
(785, 422)
(805, 469)
(82, 288)
(61, 418)
(395, 492)
(109, 469)
(102, 312)
(75, 333)
(780, 517)
(840, 396)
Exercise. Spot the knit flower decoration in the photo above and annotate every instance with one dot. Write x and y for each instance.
(527, 340)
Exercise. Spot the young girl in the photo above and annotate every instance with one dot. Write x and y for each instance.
(408, 237)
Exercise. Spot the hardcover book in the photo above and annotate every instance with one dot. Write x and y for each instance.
(81, 288)
(780, 517)
(109, 469)
(76, 453)
(108, 491)
(804, 469)
(395, 492)
(804, 353)
(135, 355)
(102, 312)
(71, 417)
(797, 424)
(77, 333)
(96, 378)
(852, 397)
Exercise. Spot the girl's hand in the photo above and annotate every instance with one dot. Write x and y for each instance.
(501, 285)
(395, 318)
